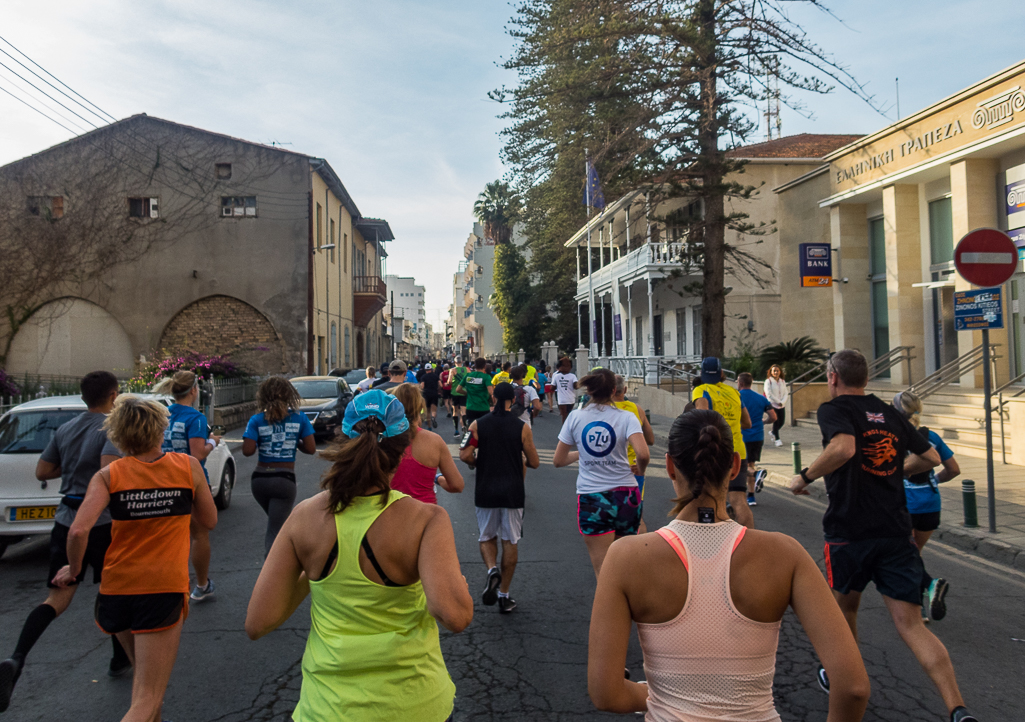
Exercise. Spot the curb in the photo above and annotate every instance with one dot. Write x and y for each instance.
(973, 541)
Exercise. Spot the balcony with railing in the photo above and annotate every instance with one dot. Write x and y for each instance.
(651, 257)
(369, 295)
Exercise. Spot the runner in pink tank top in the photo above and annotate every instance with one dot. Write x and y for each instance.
(428, 453)
(708, 596)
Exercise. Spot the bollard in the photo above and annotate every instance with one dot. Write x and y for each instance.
(647, 414)
(971, 511)
(796, 446)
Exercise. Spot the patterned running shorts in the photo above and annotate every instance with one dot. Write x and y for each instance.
(615, 511)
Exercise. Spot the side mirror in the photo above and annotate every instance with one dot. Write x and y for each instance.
(218, 430)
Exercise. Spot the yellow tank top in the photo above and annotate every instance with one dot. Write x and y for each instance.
(631, 455)
(373, 653)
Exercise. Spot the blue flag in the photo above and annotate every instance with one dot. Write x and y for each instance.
(594, 188)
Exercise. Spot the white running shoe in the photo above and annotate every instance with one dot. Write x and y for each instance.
(778, 442)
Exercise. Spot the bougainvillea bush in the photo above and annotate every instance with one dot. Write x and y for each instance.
(203, 365)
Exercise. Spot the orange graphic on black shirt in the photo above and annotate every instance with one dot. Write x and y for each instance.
(879, 453)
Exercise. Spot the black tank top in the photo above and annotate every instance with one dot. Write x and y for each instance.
(499, 462)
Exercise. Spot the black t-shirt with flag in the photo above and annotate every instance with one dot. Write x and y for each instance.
(866, 495)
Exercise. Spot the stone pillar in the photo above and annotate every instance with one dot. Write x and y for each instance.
(852, 302)
(903, 268)
(651, 371)
(973, 204)
(582, 364)
(520, 356)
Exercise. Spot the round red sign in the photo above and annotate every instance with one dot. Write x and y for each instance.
(986, 257)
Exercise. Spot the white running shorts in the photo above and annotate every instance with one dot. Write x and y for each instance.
(507, 523)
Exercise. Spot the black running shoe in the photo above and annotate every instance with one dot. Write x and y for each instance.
(10, 670)
(935, 606)
(434, 422)
(119, 667)
(490, 595)
(823, 679)
(760, 480)
(960, 714)
(506, 604)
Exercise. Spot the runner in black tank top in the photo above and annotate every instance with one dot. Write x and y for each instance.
(503, 443)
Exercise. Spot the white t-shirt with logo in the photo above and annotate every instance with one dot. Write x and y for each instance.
(600, 434)
(532, 396)
(564, 393)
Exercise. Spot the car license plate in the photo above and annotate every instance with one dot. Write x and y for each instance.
(33, 513)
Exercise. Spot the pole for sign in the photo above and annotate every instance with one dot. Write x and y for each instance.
(987, 390)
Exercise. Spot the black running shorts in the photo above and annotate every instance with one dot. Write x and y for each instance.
(140, 613)
(95, 551)
(893, 565)
(929, 521)
(430, 401)
(458, 401)
(739, 482)
(754, 451)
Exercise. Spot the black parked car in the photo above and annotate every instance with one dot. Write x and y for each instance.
(324, 402)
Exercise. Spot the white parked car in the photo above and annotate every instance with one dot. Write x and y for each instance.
(27, 505)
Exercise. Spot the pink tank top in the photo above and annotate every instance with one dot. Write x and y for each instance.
(710, 663)
(413, 478)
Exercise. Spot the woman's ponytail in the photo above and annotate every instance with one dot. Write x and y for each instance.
(701, 447)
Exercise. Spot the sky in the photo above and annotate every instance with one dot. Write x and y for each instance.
(394, 92)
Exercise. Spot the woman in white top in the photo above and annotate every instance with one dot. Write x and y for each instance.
(777, 393)
(565, 382)
(608, 500)
(708, 597)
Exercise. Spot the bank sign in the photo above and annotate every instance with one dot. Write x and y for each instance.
(816, 264)
(978, 309)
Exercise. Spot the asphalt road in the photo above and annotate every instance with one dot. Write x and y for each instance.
(530, 665)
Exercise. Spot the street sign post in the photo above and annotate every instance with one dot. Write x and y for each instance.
(985, 257)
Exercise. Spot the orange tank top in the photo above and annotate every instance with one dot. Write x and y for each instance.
(151, 507)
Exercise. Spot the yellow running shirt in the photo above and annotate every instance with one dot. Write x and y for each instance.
(630, 406)
(502, 377)
(726, 400)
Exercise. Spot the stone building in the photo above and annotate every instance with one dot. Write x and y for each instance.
(179, 239)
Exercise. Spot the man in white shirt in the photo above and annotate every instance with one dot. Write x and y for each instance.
(533, 401)
(565, 382)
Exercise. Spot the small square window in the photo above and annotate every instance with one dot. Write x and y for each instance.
(143, 207)
(223, 171)
(238, 206)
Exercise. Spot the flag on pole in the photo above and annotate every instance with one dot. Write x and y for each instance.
(593, 191)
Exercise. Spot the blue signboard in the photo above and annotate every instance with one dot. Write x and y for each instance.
(816, 261)
(978, 309)
(617, 326)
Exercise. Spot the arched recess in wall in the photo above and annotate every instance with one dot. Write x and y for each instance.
(361, 362)
(226, 325)
(71, 337)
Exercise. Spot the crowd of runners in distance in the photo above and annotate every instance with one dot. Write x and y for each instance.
(376, 554)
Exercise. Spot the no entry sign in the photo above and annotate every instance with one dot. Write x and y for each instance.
(986, 257)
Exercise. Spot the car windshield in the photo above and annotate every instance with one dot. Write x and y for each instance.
(28, 432)
(317, 389)
(355, 376)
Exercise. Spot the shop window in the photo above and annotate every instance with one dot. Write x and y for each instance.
(941, 231)
(238, 206)
(143, 207)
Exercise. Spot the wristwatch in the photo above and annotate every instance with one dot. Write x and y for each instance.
(804, 475)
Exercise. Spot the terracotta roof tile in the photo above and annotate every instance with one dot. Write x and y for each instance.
(803, 145)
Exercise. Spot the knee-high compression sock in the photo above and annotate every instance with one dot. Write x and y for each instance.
(38, 620)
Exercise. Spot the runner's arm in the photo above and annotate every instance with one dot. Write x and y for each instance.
(640, 448)
(701, 403)
(529, 450)
(97, 498)
(204, 511)
(46, 470)
(649, 433)
(282, 584)
(609, 639)
(248, 447)
(451, 480)
(200, 448)
(468, 453)
(829, 633)
(950, 470)
(448, 597)
(919, 463)
(745, 419)
(564, 456)
(308, 444)
(840, 450)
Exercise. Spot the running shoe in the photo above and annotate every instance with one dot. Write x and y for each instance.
(506, 605)
(490, 595)
(751, 500)
(777, 442)
(10, 670)
(823, 679)
(935, 595)
(456, 432)
(760, 480)
(960, 714)
(772, 436)
(119, 667)
(434, 422)
(200, 594)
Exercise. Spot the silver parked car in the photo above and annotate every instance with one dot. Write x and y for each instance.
(28, 506)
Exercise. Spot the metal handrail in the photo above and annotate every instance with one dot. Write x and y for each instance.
(952, 371)
(812, 375)
(888, 360)
(1001, 402)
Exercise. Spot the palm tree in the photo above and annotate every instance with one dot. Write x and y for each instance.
(497, 208)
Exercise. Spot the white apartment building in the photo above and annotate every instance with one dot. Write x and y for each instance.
(407, 300)
(480, 322)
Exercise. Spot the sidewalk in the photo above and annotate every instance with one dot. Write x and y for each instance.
(1007, 546)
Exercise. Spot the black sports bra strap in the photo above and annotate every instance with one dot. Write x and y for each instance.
(330, 560)
(377, 567)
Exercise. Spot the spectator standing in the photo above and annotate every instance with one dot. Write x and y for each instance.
(867, 526)
(382, 571)
(565, 382)
(77, 450)
(427, 460)
(500, 446)
(708, 598)
(143, 596)
(758, 408)
(777, 392)
(715, 395)
(277, 432)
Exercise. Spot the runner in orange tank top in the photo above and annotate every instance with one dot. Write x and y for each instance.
(153, 496)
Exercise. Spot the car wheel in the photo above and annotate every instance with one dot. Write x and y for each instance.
(223, 498)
